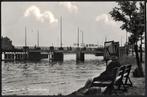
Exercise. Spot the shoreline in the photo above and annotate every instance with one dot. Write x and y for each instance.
(138, 82)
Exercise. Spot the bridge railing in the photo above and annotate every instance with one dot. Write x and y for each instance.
(64, 48)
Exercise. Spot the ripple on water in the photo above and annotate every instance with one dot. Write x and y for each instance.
(44, 78)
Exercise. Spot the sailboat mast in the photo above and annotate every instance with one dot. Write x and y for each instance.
(38, 38)
(105, 38)
(61, 31)
(121, 40)
(78, 38)
(25, 36)
(82, 39)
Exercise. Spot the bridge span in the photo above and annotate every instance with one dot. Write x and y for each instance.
(52, 53)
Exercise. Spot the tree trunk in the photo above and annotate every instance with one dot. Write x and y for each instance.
(139, 70)
(132, 50)
(127, 50)
(141, 51)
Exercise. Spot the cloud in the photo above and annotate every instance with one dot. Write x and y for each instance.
(71, 7)
(106, 19)
(35, 11)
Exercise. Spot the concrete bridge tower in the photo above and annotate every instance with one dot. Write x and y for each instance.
(79, 54)
(58, 56)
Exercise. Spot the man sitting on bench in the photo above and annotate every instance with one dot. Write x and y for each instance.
(107, 75)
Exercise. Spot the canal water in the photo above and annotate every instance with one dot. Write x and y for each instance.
(44, 78)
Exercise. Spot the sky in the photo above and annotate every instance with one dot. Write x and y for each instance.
(92, 18)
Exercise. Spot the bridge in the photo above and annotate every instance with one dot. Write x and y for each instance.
(52, 53)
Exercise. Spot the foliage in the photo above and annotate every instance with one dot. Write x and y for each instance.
(131, 14)
(6, 43)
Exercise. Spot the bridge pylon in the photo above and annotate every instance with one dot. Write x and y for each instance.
(80, 56)
(56, 56)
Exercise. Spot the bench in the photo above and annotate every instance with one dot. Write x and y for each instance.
(120, 79)
(127, 79)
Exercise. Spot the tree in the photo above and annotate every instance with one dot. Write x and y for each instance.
(6, 43)
(132, 15)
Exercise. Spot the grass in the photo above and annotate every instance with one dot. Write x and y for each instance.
(127, 60)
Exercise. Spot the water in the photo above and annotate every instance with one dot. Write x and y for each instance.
(44, 78)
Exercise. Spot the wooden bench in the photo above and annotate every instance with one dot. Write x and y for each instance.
(125, 81)
(121, 74)
(118, 76)
(126, 76)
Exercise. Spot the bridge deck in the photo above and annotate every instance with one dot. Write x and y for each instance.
(56, 49)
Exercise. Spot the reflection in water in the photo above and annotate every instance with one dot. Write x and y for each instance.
(44, 78)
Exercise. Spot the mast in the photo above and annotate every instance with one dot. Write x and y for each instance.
(38, 38)
(25, 36)
(121, 40)
(78, 38)
(60, 31)
(105, 38)
(82, 39)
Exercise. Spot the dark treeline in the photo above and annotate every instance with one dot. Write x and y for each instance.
(6, 43)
